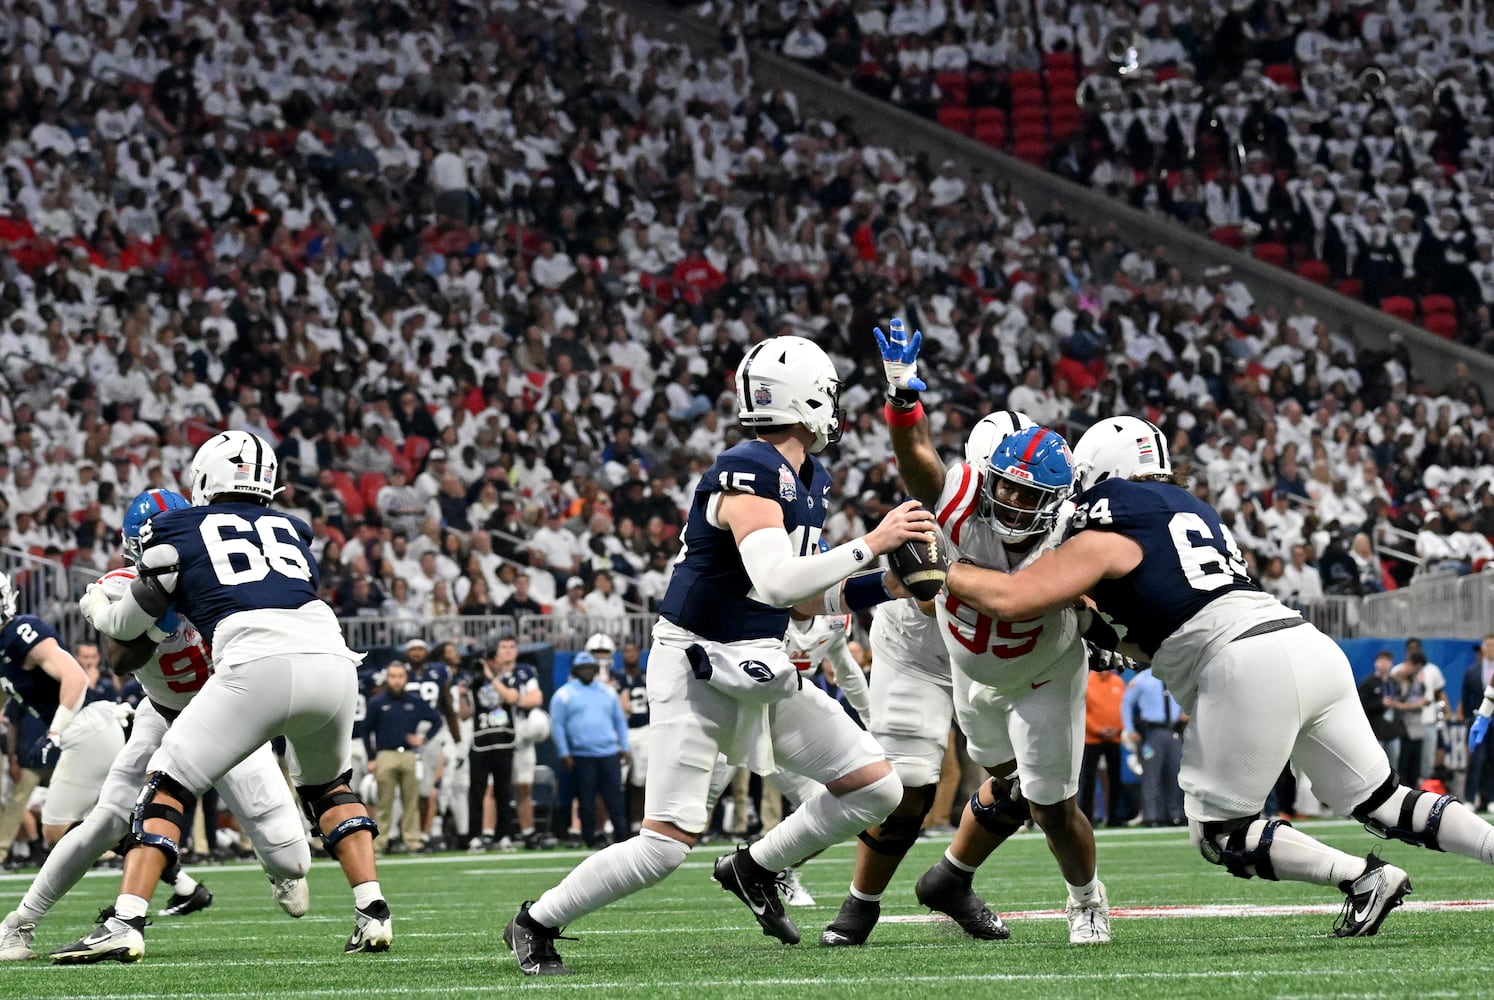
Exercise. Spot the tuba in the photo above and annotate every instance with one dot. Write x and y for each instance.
(1371, 82)
(1094, 91)
(1123, 48)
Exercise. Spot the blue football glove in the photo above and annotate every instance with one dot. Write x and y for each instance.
(1477, 731)
(900, 356)
(44, 753)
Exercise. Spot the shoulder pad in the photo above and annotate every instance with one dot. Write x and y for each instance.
(743, 472)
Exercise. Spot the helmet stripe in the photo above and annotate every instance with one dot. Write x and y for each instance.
(747, 363)
(1032, 447)
(159, 500)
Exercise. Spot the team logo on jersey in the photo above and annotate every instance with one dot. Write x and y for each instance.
(757, 670)
(763, 395)
(786, 488)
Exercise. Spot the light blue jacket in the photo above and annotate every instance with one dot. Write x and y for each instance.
(587, 720)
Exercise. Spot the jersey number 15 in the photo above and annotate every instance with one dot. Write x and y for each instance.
(237, 559)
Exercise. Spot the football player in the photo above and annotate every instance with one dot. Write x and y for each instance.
(632, 686)
(431, 679)
(1262, 686)
(170, 671)
(244, 575)
(80, 737)
(1018, 685)
(719, 679)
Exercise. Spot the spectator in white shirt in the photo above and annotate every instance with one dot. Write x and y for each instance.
(1034, 400)
(804, 42)
(604, 601)
(1301, 579)
(552, 267)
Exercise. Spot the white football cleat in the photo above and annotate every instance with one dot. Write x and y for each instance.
(16, 938)
(794, 893)
(114, 940)
(374, 929)
(1370, 898)
(293, 895)
(1089, 923)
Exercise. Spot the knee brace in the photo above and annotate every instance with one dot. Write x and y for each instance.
(1005, 816)
(1224, 843)
(318, 800)
(146, 807)
(897, 834)
(1405, 827)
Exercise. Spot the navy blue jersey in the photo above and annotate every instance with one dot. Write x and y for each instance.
(708, 589)
(428, 682)
(1189, 558)
(36, 691)
(235, 557)
(636, 688)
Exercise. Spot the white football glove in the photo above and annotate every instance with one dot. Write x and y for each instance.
(93, 602)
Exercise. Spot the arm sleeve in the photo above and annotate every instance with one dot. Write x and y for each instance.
(851, 680)
(148, 598)
(783, 579)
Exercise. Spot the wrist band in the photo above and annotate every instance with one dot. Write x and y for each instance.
(865, 591)
(902, 418)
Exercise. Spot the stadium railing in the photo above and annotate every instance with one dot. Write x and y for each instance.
(1457, 607)
(48, 591)
(564, 632)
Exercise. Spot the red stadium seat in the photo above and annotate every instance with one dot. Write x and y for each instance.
(369, 484)
(1031, 151)
(954, 85)
(956, 119)
(984, 116)
(1315, 271)
(1442, 324)
(1030, 132)
(1272, 253)
(1022, 79)
(1028, 114)
(1398, 306)
(1230, 236)
(1284, 74)
(348, 490)
(993, 134)
(1352, 287)
(1431, 304)
(416, 448)
(1059, 60)
(1032, 97)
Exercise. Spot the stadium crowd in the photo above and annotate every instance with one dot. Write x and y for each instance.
(1349, 139)
(504, 289)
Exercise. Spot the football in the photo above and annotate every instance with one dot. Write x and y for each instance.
(921, 566)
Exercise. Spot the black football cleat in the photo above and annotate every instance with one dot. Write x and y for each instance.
(853, 924)
(758, 888)
(533, 944)
(180, 905)
(942, 892)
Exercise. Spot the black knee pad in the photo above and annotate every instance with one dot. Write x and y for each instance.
(318, 800)
(1377, 798)
(1005, 816)
(146, 807)
(1405, 830)
(895, 835)
(1233, 855)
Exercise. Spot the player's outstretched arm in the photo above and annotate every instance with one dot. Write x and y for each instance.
(782, 578)
(918, 460)
(1054, 581)
(148, 598)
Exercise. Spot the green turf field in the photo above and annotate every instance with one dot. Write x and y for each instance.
(685, 938)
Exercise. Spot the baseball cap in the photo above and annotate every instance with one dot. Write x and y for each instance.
(417, 641)
(575, 581)
(583, 659)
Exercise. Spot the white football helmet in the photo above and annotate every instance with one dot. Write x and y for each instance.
(991, 430)
(10, 600)
(599, 644)
(790, 380)
(1120, 448)
(234, 462)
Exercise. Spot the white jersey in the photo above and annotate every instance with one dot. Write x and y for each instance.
(808, 642)
(906, 640)
(182, 662)
(1005, 655)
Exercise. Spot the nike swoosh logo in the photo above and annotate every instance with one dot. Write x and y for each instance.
(1361, 915)
(1041, 683)
(757, 908)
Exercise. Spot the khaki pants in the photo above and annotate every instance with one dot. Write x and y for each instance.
(395, 769)
(15, 808)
